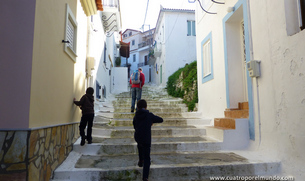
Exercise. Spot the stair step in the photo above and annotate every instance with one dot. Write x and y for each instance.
(237, 113)
(152, 105)
(154, 109)
(165, 166)
(166, 122)
(226, 123)
(112, 146)
(161, 114)
(127, 132)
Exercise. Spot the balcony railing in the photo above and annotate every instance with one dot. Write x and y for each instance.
(110, 3)
(145, 43)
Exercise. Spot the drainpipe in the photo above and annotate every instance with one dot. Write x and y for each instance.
(252, 58)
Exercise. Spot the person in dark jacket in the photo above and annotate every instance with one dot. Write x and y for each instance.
(86, 104)
(142, 122)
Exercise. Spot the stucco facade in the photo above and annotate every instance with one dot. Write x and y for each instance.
(242, 31)
(44, 49)
(174, 48)
(140, 47)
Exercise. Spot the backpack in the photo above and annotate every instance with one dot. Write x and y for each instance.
(135, 77)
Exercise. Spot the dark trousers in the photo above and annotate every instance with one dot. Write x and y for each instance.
(144, 155)
(86, 119)
(136, 94)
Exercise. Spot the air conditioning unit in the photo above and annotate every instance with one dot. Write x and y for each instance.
(253, 67)
(90, 63)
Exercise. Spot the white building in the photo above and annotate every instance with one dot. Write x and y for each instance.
(103, 50)
(267, 31)
(140, 46)
(175, 43)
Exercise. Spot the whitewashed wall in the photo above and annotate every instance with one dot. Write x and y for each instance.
(178, 49)
(119, 80)
(279, 94)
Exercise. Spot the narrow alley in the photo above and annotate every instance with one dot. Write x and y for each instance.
(181, 148)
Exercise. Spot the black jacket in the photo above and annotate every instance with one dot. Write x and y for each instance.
(142, 123)
(86, 104)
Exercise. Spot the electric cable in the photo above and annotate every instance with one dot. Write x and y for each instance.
(217, 2)
(145, 14)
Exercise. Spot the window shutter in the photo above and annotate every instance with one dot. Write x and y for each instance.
(189, 28)
(70, 35)
(193, 28)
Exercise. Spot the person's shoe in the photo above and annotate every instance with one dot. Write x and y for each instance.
(82, 142)
(89, 141)
(132, 110)
(145, 179)
(140, 163)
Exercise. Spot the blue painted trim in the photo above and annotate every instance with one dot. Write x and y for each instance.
(211, 75)
(249, 79)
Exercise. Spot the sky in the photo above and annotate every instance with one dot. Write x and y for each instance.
(133, 12)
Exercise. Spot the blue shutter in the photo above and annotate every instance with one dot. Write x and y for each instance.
(193, 28)
(189, 28)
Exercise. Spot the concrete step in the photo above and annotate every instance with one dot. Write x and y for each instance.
(145, 95)
(130, 115)
(170, 109)
(233, 139)
(152, 105)
(128, 132)
(119, 146)
(150, 100)
(166, 122)
(179, 166)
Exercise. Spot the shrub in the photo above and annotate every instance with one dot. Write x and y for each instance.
(183, 84)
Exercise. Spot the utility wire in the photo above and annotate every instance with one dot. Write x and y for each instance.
(204, 9)
(217, 2)
(173, 26)
(145, 14)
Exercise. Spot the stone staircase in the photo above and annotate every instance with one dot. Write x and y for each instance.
(184, 147)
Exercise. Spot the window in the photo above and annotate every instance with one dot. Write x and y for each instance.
(133, 42)
(207, 59)
(105, 52)
(191, 31)
(301, 8)
(134, 58)
(125, 35)
(70, 34)
(295, 16)
(146, 60)
(130, 33)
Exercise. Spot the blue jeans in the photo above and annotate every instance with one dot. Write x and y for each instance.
(135, 95)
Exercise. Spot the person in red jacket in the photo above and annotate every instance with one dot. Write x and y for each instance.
(136, 89)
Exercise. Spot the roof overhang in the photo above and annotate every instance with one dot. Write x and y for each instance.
(89, 7)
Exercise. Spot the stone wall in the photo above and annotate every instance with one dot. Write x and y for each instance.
(32, 155)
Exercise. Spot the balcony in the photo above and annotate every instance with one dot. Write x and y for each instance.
(158, 49)
(111, 16)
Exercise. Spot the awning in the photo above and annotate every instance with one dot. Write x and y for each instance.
(124, 49)
(89, 7)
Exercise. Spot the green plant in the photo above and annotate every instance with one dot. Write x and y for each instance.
(183, 84)
(118, 61)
